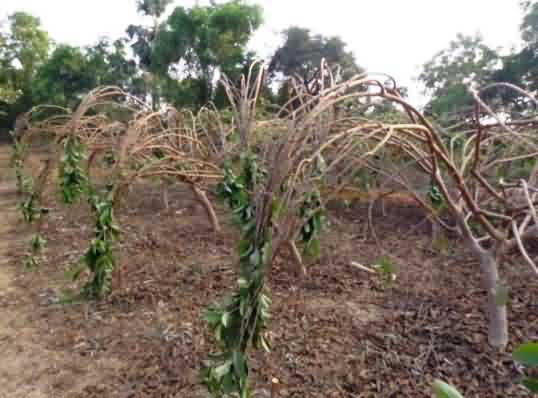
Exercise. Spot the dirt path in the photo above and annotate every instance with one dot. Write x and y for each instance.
(28, 369)
(7, 213)
(20, 363)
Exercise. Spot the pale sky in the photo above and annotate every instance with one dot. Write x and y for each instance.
(390, 36)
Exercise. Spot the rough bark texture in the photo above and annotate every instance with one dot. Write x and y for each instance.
(436, 234)
(496, 305)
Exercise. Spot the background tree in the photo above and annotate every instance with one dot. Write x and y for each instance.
(145, 39)
(448, 75)
(8, 93)
(521, 68)
(63, 78)
(198, 43)
(71, 72)
(301, 53)
(111, 65)
(25, 46)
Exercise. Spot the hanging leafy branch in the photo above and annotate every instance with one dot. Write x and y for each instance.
(73, 181)
(313, 213)
(99, 257)
(241, 320)
(32, 211)
(24, 183)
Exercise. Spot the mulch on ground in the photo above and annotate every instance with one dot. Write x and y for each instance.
(338, 332)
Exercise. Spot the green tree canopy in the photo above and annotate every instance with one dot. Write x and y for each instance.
(111, 65)
(447, 76)
(24, 47)
(153, 8)
(521, 68)
(199, 42)
(302, 52)
(63, 78)
(70, 72)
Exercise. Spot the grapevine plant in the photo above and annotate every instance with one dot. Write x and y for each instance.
(32, 211)
(30, 207)
(24, 183)
(312, 212)
(72, 177)
(37, 243)
(241, 320)
(99, 257)
(72, 184)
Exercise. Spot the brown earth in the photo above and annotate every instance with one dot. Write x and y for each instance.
(339, 332)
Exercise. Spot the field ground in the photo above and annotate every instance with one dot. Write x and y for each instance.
(339, 332)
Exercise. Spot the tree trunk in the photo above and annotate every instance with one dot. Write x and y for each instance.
(496, 303)
(436, 234)
(166, 202)
(202, 197)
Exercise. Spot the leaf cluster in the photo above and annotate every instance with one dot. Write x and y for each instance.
(73, 181)
(99, 257)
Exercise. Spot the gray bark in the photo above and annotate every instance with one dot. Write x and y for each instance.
(496, 305)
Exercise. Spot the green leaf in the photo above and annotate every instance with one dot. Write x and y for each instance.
(245, 248)
(243, 283)
(265, 344)
(277, 207)
(265, 301)
(218, 333)
(267, 251)
(313, 248)
(239, 365)
(255, 258)
(526, 354)
(225, 319)
(213, 317)
(531, 384)
(245, 393)
(384, 266)
(443, 390)
(228, 383)
(222, 370)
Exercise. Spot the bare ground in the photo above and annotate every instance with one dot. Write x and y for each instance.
(28, 368)
(339, 332)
